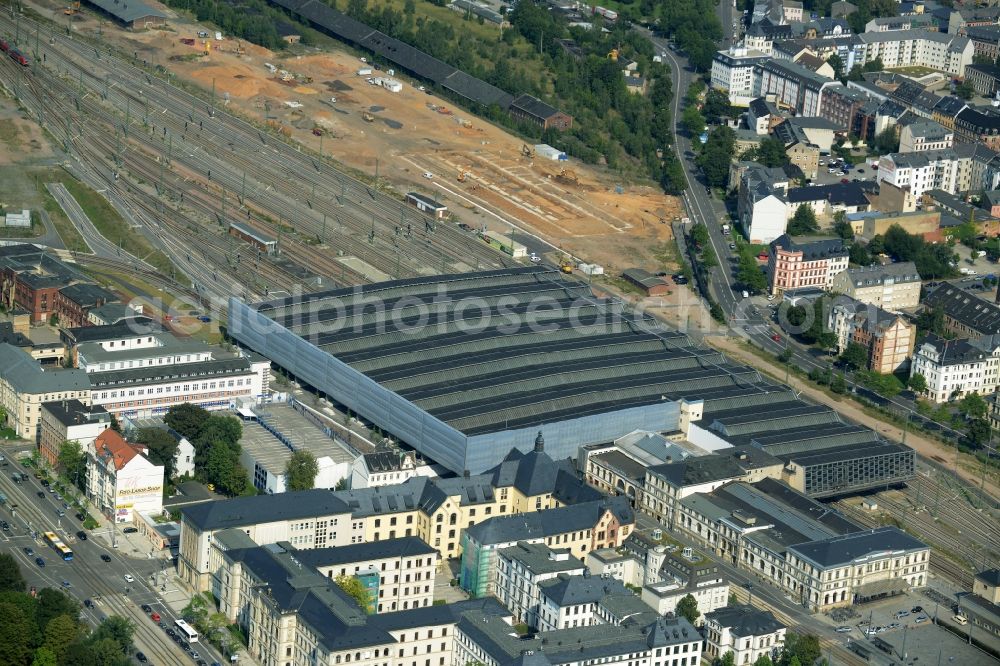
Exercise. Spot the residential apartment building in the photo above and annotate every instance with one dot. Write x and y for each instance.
(888, 338)
(69, 421)
(386, 468)
(965, 314)
(893, 287)
(792, 85)
(733, 72)
(681, 573)
(522, 568)
(761, 204)
(578, 528)
(397, 573)
(747, 632)
(25, 386)
(567, 602)
(666, 485)
(910, 48)
(978, 125)
(985, 41)
(793, 264)
(924, 135)
(841, 105)
(121, 480)
(955, 368)
(928, 170)
(984, 78)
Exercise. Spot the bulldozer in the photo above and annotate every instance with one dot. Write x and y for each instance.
(567, 177)
(565, 265)
(368, 117)
(527, 151)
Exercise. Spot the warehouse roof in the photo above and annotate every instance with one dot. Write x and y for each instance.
(536, 348)
(127, 10)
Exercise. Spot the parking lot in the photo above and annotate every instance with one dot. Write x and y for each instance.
(859, 172)
(912, 638)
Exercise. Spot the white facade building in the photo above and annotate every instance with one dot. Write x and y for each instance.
(955, 368)
(733, 73)
(386, 468)
(928, 170)
(520, 570)
(121, 480)
(745, 631)
(908, 48)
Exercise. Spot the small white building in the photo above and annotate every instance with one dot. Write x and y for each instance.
(121, 480)
(745, 631)
(386, 468)
(22, 219)
(550, 153)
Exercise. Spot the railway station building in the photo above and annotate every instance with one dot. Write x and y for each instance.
(465, 368)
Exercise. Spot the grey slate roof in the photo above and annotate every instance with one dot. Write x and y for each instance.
(845, 549)
(409, 546)
(990, 576)
(843, 194)
(811, 250)
(73, 412)
(697, 470)
(88, 295)
(538, 558)
(26, 375)
(899, 272)
(242, 511)
(954, 352)
(745, 620)
(576, 517)
(127, 10)
(971, 311)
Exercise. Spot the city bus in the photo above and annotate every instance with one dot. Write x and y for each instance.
(57, 545)
(187, 631)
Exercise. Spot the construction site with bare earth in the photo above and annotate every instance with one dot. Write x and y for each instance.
(384, 125)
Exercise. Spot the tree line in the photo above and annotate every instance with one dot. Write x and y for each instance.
(43, 627)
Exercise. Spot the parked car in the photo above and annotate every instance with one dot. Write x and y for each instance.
(141, 658)
(154, 616)
(920, 619)
(130, 530)
(843, 630)
(105, 557)
(129, 578)
(146, 608)
(28, 551)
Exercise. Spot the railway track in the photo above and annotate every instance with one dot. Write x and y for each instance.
(283, 183)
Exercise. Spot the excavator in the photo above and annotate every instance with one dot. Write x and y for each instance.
(527, 151)
(567, 177)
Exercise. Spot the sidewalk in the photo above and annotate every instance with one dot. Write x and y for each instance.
(924, 446)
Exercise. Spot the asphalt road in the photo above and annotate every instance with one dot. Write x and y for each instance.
(88, 576)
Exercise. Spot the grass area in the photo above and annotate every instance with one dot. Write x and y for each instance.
(34, 231)
(8, 433)
(915, 70)
(9, 135)
(71, 238)
(109, 223)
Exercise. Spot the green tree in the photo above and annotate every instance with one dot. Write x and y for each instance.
(837, 63)
(116, 424)
(973, 406)
(44, 656)
(301, 471)
(977, 431)
(716, 156)
(803, 221)
(354, 589)
(749, 274)
(841, 226)
(220, 468)
(11, 579)
(708, 258)
(965, 89)
(804, 648)
(15, 635)
(728, 659)
(859, 256)
(61, 632)
(115, 628)
(673, 181)
(716, 105)
(692, 121)
(687, 608)
(886, 141)
(699, 234)
(838, 384)
(186, 419)
(51, 603)
(162, 447)
(917, 383)
(763, 660)
(854, 356)
(771, 152)
(72, 462)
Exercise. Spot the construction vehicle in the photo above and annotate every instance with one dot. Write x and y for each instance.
(461, 177)
(567, 177)
(565, 265)
(318, 131)
(527, 151)
(368, 116)
(73, 8)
